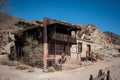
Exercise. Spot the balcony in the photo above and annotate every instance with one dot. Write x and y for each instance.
(63, 38)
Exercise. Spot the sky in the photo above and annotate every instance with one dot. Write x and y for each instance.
(105, 14)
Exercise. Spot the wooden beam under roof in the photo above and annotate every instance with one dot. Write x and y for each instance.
(53, 21)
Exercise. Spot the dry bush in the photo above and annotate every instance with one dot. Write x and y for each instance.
(31, 70)
(33, 53)
(51, 69)
(4, 59)
(13, 63)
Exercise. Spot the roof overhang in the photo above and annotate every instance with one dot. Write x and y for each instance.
(53, 22)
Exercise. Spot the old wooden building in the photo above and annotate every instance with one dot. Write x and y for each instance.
(57, 38)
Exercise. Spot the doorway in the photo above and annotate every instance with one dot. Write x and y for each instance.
(88, 52)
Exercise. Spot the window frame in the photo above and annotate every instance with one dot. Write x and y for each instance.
(79, 47)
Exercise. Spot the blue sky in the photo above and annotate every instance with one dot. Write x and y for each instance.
(103, 13)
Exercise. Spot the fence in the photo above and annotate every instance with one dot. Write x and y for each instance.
(101, 76)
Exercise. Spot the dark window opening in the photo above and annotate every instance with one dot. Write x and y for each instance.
(79, 47)
(62, 48)
(52, 47)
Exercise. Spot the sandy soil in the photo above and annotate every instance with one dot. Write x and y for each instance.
(81, 73)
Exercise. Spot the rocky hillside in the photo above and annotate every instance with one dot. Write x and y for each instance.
(7, 27)
(8, 21)
(105, 43)
(112, 38)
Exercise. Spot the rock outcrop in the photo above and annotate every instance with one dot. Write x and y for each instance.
(7, 27)
(112, 38)
(106, 44)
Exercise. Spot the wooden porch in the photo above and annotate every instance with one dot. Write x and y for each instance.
(63, 38)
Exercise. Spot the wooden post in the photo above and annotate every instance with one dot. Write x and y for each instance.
(45, 45)
(91, 77)
(55, 47)
(100, 73)
(108, 75)
(55, 52)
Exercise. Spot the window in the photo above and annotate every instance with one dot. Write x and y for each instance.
(62, 48)
(79, 47)
(52, 46)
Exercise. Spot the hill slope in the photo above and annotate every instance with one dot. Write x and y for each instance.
(112, 38)
(8, 21)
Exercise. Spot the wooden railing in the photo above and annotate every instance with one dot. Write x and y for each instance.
(63, 37)
(101, 76)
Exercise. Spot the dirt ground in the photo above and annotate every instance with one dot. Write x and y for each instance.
(82, 73)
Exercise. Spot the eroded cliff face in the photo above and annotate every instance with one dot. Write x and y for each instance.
(7, 28)
(6, 41)
(104, 44)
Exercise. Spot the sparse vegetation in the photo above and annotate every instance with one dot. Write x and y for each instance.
(31, 70)
(4, 59)
(51, 69)
(80, 63)
(11, 56)
(13, 63)
(33, 53)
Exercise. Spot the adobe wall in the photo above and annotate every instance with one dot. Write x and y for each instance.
(74, 49)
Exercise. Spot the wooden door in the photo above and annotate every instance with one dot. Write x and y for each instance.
(88, 54)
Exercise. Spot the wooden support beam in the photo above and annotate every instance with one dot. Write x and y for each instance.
(45, 45)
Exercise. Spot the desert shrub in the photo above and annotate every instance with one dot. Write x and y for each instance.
(12, 63)
(11, 56)
(4, 60)
(80, 63)
(33, 53)
(31, 70)
(51, 69)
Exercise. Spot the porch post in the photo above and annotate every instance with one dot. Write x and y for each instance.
(55, 47)
(45, 45)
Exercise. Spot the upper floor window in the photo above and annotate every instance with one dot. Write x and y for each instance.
(62, 48)
(52, 46)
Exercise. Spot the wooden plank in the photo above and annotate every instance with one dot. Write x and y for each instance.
(100, 77)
